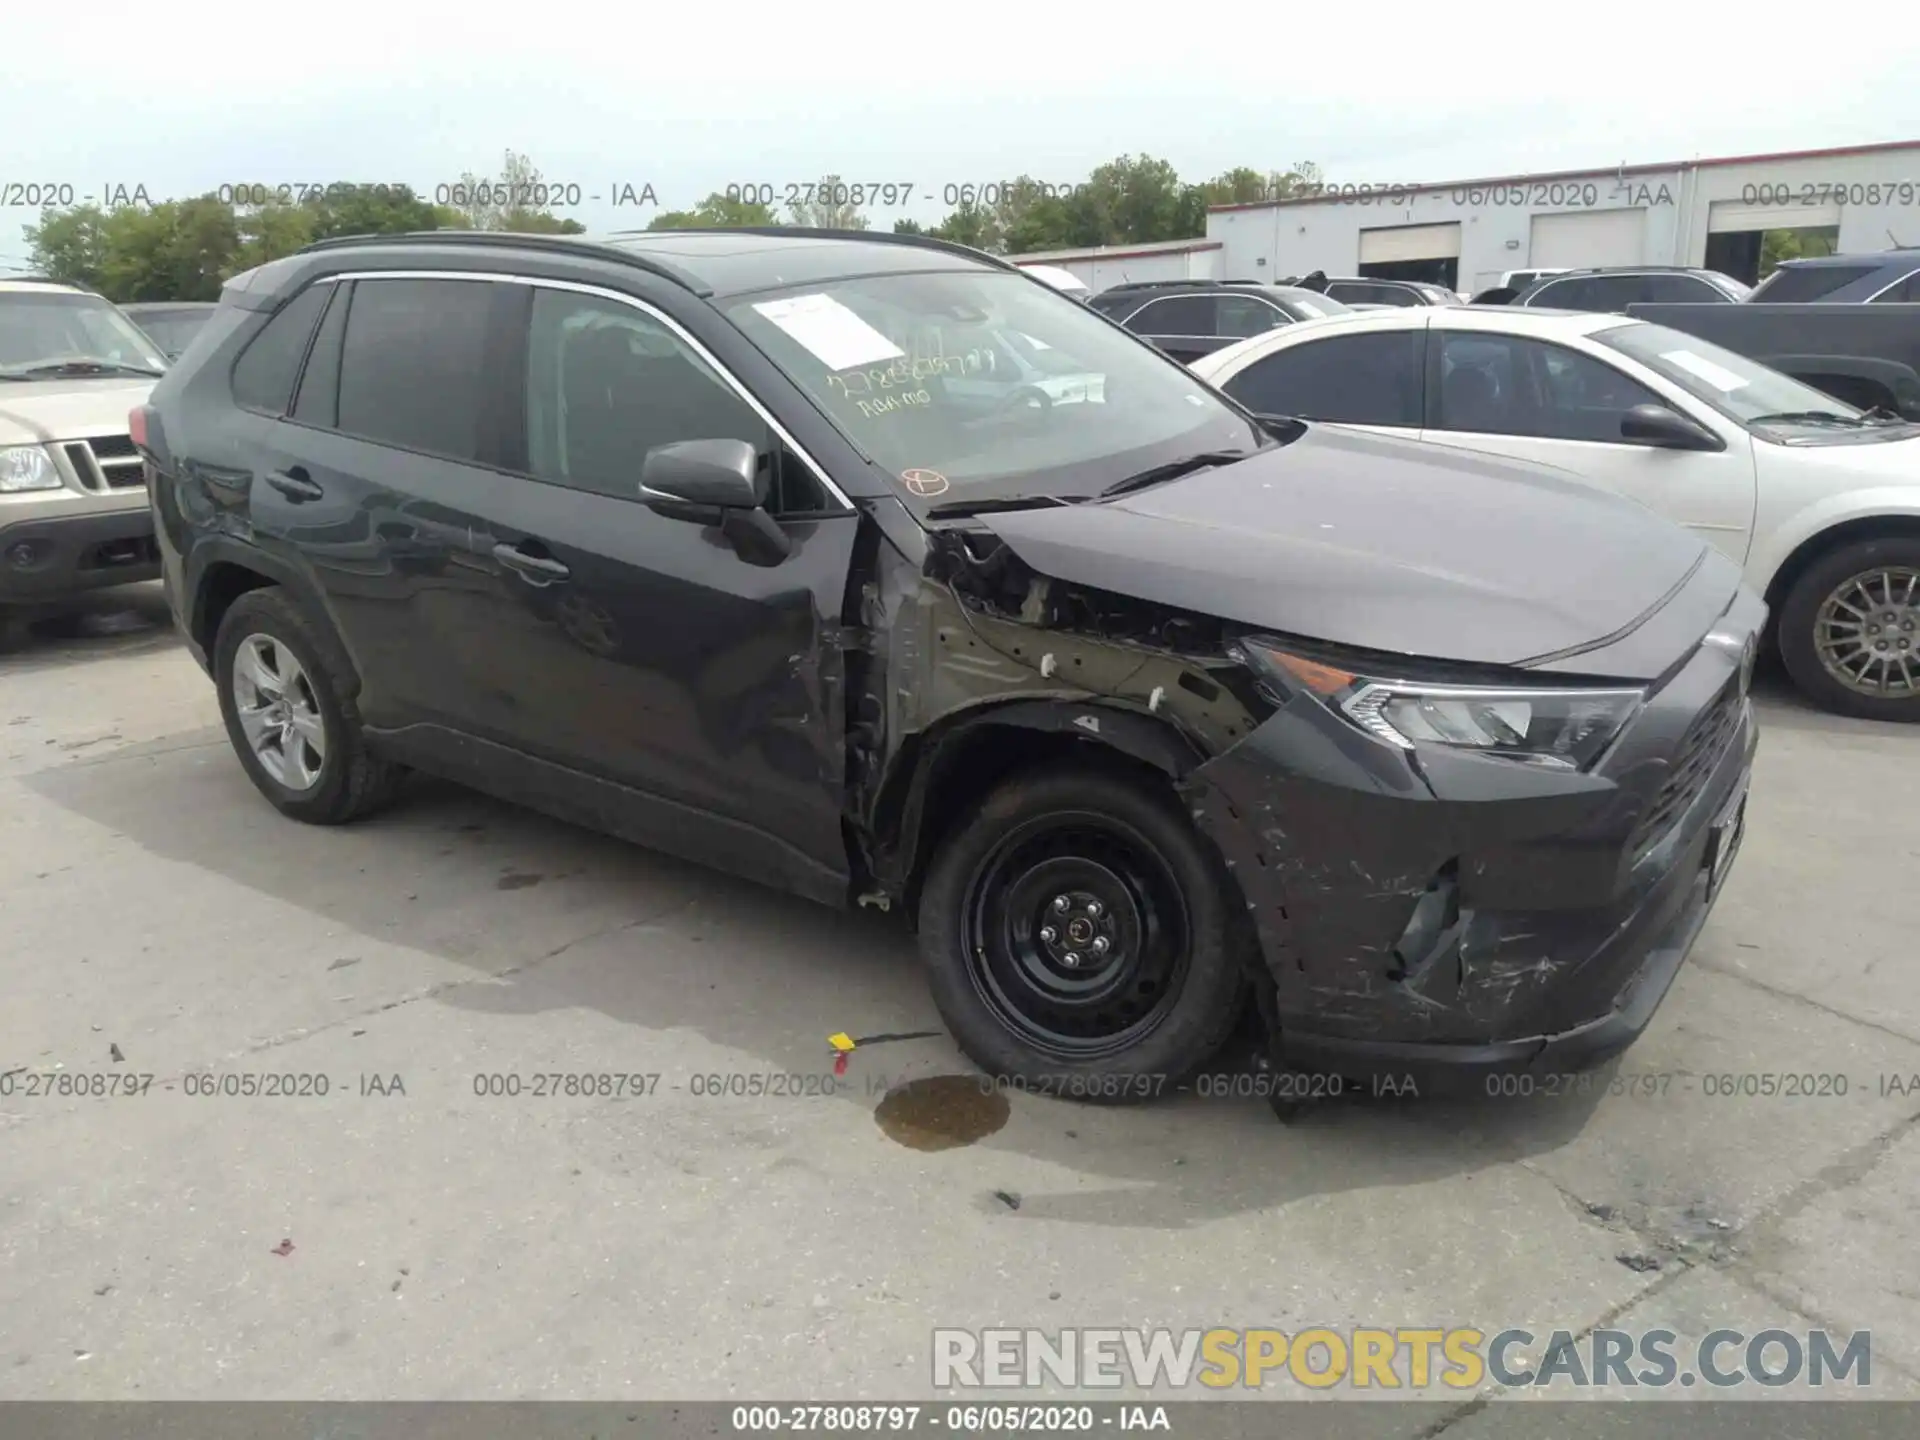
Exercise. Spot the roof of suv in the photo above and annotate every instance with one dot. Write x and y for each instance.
(1906, 258)
(1141, 291)
(1715, 278)
(715, 261)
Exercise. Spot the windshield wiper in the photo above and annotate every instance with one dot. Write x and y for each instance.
(62, 369)
(955, 509)
(1807, 417)
(1172, 470)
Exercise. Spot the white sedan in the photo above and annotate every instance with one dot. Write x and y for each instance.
(1818, 501)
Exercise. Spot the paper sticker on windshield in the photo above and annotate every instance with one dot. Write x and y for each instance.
(831, 332)
(924, 483)
(1718, 376)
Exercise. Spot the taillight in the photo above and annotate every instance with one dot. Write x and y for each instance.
(137, 425)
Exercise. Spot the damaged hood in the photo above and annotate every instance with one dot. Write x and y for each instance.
(1381, 544)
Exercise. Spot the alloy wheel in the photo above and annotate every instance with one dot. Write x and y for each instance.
(1867, 633)
(279, 713)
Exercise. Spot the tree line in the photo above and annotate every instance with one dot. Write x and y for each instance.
(187, 249)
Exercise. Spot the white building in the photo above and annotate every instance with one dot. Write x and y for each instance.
(1109, 265)
(1466, 234)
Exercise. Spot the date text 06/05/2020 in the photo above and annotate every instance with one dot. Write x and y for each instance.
(251, 194)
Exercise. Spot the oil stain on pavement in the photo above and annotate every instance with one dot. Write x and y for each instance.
(941, 1112)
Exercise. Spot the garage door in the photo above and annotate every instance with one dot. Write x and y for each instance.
(1410, 242)
(1731, 217)
(1576, 239)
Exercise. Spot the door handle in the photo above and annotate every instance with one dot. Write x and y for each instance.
(537, 569)
(295, 484)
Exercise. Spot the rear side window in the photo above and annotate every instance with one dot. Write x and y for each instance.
(1349, 379)
(1592, 292)
(1176, 315)
(1799, 284)
(413, 364)
(264, 375)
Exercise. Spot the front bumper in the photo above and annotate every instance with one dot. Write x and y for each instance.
(1568, 901)
(50, 556)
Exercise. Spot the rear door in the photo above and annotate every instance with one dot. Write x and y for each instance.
(1533, 400)
(377, 484)
(1373, 380)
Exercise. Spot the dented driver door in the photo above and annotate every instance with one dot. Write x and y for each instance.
(701, 690)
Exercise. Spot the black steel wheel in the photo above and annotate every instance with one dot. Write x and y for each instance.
(1080, 938)
(1076, 934)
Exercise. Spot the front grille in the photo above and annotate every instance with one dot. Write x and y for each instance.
(1700, 750)
(108, 462)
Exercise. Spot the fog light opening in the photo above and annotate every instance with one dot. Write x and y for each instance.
(1433, 928)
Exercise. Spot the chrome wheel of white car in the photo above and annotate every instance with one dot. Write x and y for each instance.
(1867, 633)
(278, 712)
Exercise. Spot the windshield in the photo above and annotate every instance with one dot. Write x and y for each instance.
(1316, 306)
(51, 328)
(1737, 387)
(979, 384)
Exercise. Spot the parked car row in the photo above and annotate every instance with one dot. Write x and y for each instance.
(1816, 499)
(767, 549)
(1191, 318)
(73, 499)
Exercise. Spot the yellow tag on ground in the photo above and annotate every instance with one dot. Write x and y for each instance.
(842, 1042)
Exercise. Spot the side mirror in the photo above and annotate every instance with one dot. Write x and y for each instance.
(720, 483)
(1665, 429)
(710, 474)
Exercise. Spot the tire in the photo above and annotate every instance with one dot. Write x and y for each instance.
(1801, 623)
(348, 782)
(1084, 834)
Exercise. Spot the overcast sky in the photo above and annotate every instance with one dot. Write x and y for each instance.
(689, 98)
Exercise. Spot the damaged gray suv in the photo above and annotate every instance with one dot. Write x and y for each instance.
(868, 567)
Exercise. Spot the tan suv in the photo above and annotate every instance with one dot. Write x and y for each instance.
(73, 495)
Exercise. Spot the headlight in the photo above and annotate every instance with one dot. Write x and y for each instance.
(1563, 728)
(27, 467)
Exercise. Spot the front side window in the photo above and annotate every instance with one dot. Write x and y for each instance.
(413, 364)
(1241, 315)
(45, 332)
(1737, 387)
(1679, 290)
(1902, 292)
(985, 385)
(1348, 379)
(607, 382)
(1506, 385)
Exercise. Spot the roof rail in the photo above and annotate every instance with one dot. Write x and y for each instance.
(813, 232)
(513, 240)
(1175, 284)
